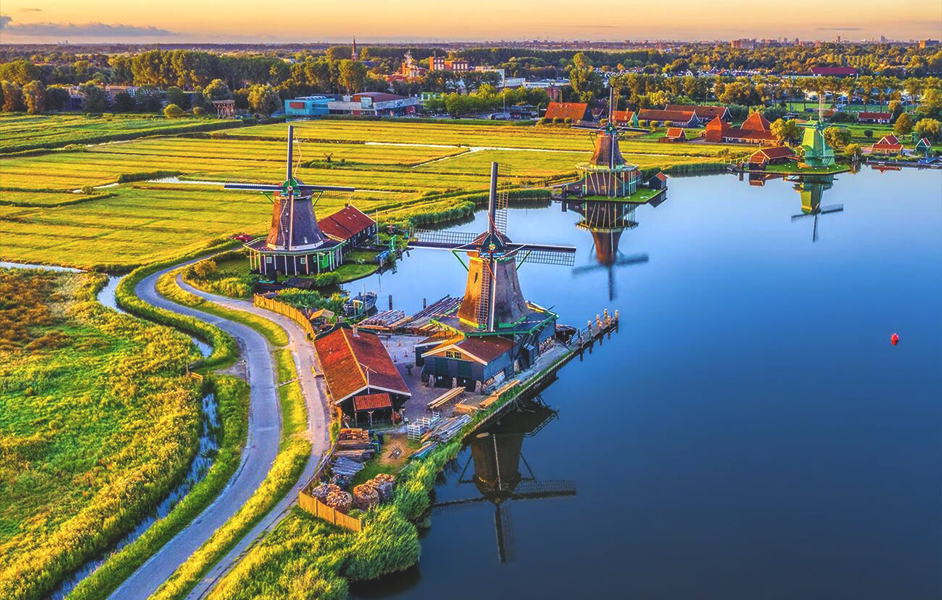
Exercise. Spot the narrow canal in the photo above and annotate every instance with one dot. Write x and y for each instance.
(749, 433)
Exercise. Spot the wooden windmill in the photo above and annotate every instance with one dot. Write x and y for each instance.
(294, 240)
(493, 300)
(497, 455)
(606, 221)
(811, 190)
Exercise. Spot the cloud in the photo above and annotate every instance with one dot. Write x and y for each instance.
(30, 10)
(72, 30)
(839, 28)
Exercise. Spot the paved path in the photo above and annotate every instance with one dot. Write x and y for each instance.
(264, 432)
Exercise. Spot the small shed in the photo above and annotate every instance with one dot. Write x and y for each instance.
(674, 135)
(924, 146)
(658, 182)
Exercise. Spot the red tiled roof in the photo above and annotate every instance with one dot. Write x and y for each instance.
(756, 122)
(773, 153)
(566, 110)
(345, 359)
(675, 132)
(875, 116)
(661, 176)
(622, 116)
(372, 402)
(345, 223)
(888, 140)
(833, 71)
(487, 349)
(677, 116)
(924, 142)
(702, 112)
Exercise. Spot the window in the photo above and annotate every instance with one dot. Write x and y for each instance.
(453, 354)
(268, 259)
(303, 260)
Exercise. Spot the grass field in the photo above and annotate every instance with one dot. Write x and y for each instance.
(98, 422)
(24, 132)
(406, 169)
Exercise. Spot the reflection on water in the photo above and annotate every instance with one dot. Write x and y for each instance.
(811, 190)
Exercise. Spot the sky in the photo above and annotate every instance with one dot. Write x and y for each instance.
(220, 21)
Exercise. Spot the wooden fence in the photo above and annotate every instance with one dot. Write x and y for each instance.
(331, 515)
(289, 311)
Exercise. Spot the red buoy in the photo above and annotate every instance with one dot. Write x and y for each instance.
(894, 339)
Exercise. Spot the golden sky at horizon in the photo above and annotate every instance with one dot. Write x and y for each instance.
(426, 20)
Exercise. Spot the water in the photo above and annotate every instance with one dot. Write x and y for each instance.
(749, 433)
(202, 462)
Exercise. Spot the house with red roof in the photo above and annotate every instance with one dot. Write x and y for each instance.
(349, 225)
(677, 118)
(674, 135)
(466, 361)
(362, 380)
(888, 145)
(705, 114)
(625, 118)
(754, 130)
(575, 111)
(874, 117)
(777, 155)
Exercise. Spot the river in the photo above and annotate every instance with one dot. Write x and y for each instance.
(750, 432)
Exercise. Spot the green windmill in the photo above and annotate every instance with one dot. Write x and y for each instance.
(817, 151)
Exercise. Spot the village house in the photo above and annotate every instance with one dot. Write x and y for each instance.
(678, 118)
(440, 63)
(923, 146)
(674, 135)
(888, 145)
(833, 71)
(361, 378)
(754, 130)
(466, 361)
(874, 117)
(625, 118)
(777, 155)
(350, 226)
(705, 114)
(576, 111)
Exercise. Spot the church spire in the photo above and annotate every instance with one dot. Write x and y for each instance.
(354, 56)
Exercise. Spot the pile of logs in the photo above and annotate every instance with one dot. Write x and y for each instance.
(333, 496)
(373, 492)
(385, 484)
(383, 321)
(354, 444)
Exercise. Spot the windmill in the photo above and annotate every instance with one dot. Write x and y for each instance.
(811, 190)
(497, 454)
(294, 238)
(493, 301)
(606, 221)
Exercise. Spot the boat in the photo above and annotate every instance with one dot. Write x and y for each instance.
(360, 304)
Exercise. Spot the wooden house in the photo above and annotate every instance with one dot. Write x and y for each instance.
(924, 146)
(705, 114)
(468, 361)
(677, 118)
(674, 135)
(350, 226)
(575, 111)
(754, 130)
(888, 145)
(874, 117)
(777, 155)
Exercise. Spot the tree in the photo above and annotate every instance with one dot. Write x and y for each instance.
(217, 90)
(57, 98)
(351, 75)
(581, 61)
(177, 96)
(124, 102)
(95, 101)
(868, 133)
(172, 111)
(903, 125)
(34, 96)
(786, 131)
(853, 150)
(12, 96)
(837, 137)
(264, 100)
(927, 128)
(931, 105)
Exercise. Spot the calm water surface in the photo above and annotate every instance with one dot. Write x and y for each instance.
(749, 433)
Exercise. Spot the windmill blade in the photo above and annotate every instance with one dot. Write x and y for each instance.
(634, 259)
(814, 232)
(452, 505)
(564, 256)
(444, 240)
(801, 215)
(506, 541)
(546, 488)
(587, 269)
(832, 209)
(265, 187)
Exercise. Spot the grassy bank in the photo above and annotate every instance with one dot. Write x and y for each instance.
(99, 423)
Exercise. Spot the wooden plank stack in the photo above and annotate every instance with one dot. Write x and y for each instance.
(354, 444)
(445, 398)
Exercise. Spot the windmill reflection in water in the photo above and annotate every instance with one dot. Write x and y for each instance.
(812, 190)
(502, 475)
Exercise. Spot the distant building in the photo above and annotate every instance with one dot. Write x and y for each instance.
(576, 111)
(374, 104)
(888, 145)
(928, 43)
(678, 118)
(754, 130)
(456, 65)
(350, 226)
(625, 118)
(410, 69)
(308, 106)
(674, 135)
(705, 114)
(874, 117)
(743, 44)
(361, 377)
(833, 71)
(777, 155)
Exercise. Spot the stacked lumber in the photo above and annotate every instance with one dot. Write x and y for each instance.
(445, 398)
(345, 467)
(383, 321)
(354, 444)
(465, 409)
(356, 454)
(424, 450)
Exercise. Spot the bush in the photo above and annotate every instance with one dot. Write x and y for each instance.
(868, 133)
(172, 111)
(198, 111)
(668, 123)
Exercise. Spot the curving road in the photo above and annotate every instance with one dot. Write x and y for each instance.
(264, 432)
